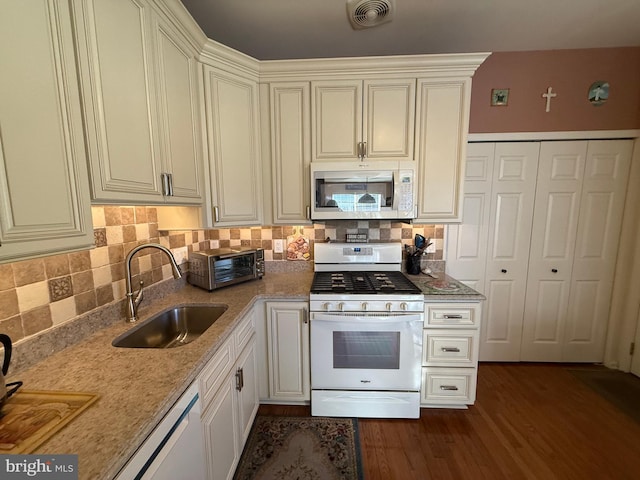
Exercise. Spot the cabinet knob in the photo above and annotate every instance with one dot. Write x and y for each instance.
(554, 270)
(504, 270)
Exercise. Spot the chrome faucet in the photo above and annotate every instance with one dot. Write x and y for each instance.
(134, 299)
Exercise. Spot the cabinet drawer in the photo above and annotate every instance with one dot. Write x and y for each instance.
(244, 332)
(455, 348)
(448, 386)
(215, 371)
(452, 315)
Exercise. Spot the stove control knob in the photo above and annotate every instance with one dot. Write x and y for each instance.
(326, 306)
(364, 306)
(389, 306)
(403, 306)
(341, 306)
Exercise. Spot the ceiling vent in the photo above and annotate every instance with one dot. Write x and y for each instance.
(370, 13)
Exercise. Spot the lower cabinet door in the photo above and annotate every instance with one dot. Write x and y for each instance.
(221, 437)
(247, 381)
(288, 351)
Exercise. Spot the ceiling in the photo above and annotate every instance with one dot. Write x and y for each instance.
(287, 29)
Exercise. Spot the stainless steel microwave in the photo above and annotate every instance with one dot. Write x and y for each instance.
(363, 190)
(217, 268)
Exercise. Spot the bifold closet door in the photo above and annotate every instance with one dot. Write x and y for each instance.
(489, 250)
(599, 225)
(553, 237)
(512, 204)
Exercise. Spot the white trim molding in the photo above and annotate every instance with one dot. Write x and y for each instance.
(533, 136)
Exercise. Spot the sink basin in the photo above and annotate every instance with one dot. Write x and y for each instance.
(172, 328)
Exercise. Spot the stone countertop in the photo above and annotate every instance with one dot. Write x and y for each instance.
(137, 387)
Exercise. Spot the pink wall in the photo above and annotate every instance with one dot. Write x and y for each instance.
(570, 72)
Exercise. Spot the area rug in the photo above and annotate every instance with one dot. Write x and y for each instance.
(303, 448)
(621, 389)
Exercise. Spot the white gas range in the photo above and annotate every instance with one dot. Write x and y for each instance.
(366, 332)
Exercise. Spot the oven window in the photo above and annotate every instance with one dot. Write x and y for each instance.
(370, 350)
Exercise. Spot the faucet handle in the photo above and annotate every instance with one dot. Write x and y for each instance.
(137, 298)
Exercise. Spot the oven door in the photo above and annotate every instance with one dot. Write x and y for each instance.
(354, 351)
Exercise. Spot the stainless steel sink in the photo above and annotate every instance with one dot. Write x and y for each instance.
(172, 328)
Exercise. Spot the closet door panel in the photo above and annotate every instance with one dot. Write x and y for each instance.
(601, 208)
(513, 194)
(553, 237)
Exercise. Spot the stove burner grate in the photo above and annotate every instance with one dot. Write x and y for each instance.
(363, 283)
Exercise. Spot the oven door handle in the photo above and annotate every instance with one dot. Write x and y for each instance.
(372, 317)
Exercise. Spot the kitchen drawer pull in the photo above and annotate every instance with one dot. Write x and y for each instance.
(448, 387)
(239, 380)
(453, 317)
(450, 349)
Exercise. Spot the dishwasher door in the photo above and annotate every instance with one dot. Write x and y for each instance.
(175, 448)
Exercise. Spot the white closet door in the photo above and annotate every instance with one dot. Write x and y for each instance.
(467, 241)
(598, 232)
(553, 239)
(513, 195)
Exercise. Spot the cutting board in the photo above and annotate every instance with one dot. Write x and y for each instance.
(298, 247)
(29, 418)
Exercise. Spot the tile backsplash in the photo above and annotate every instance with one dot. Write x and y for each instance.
(38, 294)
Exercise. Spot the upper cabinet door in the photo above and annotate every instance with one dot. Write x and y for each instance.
(371, 119)
(179, 102)
(442, 126)
(233, 144)
(44, 192)
(336, 119)
(119, 99)
(389, 119)
(290, 151)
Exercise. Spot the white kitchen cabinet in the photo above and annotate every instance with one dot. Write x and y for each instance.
(180, 102)
(233, 138)
(442, 123)
(140, 100)
(229, 389)
(290, 151)
(288, 351)
(546, 260)
(450, 354)
(44, 191)
(354, 119)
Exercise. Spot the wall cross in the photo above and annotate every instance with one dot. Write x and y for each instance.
(549, 95)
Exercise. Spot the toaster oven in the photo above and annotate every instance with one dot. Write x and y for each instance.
(217, 268)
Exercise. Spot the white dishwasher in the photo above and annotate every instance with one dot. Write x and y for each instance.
(175, 448)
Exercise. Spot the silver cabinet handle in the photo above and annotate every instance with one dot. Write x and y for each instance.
(308, 212)
(453, 317)
(216, 215)
(364, 149)
(448, 387)
(170, 175)
(450, 349)
(164, 177)
(305, 316)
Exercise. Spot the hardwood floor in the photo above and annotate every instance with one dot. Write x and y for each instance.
(530, 421)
